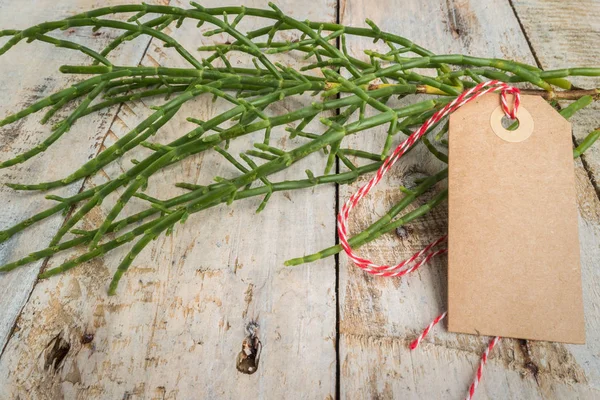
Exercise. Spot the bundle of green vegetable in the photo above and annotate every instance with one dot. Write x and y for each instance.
(345, 85)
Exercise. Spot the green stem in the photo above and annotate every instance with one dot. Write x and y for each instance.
(586, 143)
(341, 178)
(383, 223)
(266, 84)
(162, 22)
(58, 132)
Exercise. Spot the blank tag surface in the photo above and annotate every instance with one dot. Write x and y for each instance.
(513, 261)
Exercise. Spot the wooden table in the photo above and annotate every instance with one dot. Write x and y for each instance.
(328, 330)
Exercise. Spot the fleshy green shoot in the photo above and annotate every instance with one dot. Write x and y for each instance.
(329, 72)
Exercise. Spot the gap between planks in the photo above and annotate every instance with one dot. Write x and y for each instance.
(337, 204)
(336, 257)
(585, 164)
(68, 215)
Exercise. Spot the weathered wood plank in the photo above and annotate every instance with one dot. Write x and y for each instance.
(24, 79)
(566, 34)
(380, 316)
(177, 324)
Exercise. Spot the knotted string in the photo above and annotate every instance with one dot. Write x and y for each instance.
(407, 266)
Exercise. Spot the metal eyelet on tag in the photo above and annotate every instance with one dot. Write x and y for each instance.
(520, 134)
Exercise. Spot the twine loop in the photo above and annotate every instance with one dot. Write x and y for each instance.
(464, 98)
(406, 266)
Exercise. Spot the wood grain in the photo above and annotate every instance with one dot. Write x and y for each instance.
(380, 316)
(561, 34)
(25, 79)
(566, 34)
(177, 324)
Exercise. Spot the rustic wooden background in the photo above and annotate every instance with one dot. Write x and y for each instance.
(328, 330)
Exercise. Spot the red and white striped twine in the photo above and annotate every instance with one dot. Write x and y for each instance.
(433, 323)
(405, 267)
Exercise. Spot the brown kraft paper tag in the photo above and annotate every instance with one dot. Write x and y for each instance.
(513, 260)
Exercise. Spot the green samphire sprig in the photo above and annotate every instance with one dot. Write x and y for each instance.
(343, 85)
